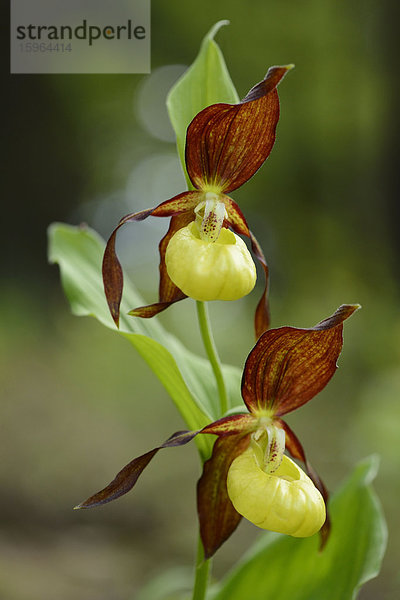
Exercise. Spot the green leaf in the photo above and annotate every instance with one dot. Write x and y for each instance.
(206, 82)
(282, 567)
(187, 378)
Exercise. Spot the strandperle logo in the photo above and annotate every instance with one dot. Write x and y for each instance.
(80, 36)
(85, 31)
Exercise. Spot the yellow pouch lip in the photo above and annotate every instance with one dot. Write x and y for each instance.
(220, 270)
(285, 501)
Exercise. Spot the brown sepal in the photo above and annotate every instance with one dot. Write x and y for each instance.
(238, 223)
(227, 143)
(262, 315)
(168, 291)
(113, 278)
(217, 516)
(127, 477)
(289, 366)
(295, 448)
(112, 270)
(273, 77)
(151, 310)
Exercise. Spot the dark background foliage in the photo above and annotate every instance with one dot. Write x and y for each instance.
(77, 402)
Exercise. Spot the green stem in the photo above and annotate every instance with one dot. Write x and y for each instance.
(209, 344)
(202, 574)
(203, 565)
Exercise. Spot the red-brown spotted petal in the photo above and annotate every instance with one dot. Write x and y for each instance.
(238, 223)
(289, 366)
(294, 447)
(112, 270)
(227, 143)
(127, 477)
(232, 425)
(217, 516)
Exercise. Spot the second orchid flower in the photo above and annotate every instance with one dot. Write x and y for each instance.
(248, 474)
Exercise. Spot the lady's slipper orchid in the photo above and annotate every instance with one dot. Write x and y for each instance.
(248, 474)
(225, 145)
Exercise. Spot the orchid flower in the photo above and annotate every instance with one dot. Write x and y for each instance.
(199, 256)
(248, 474)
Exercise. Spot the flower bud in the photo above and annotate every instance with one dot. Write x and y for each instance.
(203, 270)
(285, 501)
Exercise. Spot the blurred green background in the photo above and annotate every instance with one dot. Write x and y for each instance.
(77, 402)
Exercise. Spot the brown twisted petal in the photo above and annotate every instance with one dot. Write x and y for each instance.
(127, 477)
(289, 366)
(113, 279)
(232, 425)
(125, 480)
(238, 223)
(227, 143)
(217, 516)
(295, 448)
(112, 270)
